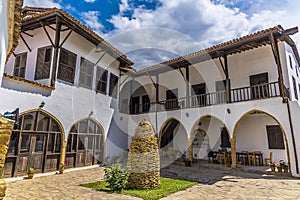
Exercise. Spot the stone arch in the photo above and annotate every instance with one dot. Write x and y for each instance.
(86, 143)
(213, 127)
(243, 117)
(40, 135)
(177, 137)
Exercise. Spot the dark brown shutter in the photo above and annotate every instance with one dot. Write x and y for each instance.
(275, 137)
(113, 84)
(67, 66)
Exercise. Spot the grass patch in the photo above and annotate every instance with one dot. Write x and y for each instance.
(166, 187)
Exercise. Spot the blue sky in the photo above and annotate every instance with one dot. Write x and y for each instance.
(152, 31)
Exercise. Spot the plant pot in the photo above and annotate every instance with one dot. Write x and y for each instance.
(272, 169)
(286, 169)
(61, 171)
(279, 169)
(30, 175)
(238, 165)
(187, 163)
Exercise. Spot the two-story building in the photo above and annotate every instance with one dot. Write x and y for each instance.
(63, 79)
(242, 94)
(80, 100)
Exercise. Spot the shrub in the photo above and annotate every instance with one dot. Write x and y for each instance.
(116, 177)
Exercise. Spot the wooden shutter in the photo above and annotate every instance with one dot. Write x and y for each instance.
(43, 63)
(113, 84)
(67, 66)
(20, 65)
(275, 137)
(101, 80)
(86, 73)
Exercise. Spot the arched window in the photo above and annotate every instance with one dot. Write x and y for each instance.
(35, 142)
(85, 143)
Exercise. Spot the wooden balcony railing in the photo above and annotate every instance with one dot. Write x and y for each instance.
(262, 91)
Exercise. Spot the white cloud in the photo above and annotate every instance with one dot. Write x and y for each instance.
(44, 3)
(90, 18)
(90, 1)
(203, 21)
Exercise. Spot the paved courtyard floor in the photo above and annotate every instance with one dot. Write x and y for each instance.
(213, 184)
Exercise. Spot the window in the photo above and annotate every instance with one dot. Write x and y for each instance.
(113, 85)
(225, 138)
(291, 63)
(20, 65)
(43, 63)
(275, 137)
(67, 66)
(295, 88)
(101, 80)
(86, 73)
(259, 87)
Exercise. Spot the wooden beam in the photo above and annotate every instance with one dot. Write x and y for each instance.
(179, 69)
(67, 36)
(27, 34)
(56, 49)
(228, 87)
(51, 27)
(275, 51)
(47, 33)
(100, 59)
(187, 83)
(222, 65)
(25, 42)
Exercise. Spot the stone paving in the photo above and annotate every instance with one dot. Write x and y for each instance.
(213, 184)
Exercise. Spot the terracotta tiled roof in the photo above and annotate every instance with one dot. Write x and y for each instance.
(31, 14)
(23, 80)
(237, 45)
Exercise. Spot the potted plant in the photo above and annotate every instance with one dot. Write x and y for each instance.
(30, 173)
(285, 167)
(61, 168)
(183, 157)
(238, 164)
(273, 166)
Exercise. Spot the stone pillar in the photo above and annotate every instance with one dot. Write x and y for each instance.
(143, 158)
(233, 151)
(190, 148)
(6, 127)
(63, 152)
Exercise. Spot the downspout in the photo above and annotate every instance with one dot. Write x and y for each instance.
(293, 136)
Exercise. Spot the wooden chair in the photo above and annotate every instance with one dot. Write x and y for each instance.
(258, 158)
(251, 158)
(244, 158)
(269, 160)
(222, 157)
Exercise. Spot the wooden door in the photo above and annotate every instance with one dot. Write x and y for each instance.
(198, 92)
(259, 89)
(145, 103)
(172, 99)
(135, 104)
(221, 91)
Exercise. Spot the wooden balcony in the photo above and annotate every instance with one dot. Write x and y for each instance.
(257, 92)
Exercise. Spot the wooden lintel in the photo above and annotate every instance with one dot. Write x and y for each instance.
(65, 39)
(51, 27)
(47, 33)
(27, 34)
(25, 42)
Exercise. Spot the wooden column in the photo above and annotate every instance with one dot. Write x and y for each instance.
(275, 51)
(63, 152)
(56, 50)
(6, 127)
(156, 103)
(228, 88)
(187, 83)
(233, 151)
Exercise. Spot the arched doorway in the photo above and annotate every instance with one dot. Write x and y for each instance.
(208, 134)
(35, 142)
(85, 144)
(173, 141)
(259, 131)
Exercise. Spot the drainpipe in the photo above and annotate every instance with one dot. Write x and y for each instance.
(293, 136)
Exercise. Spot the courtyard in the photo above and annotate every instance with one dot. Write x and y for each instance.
(214, 183)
